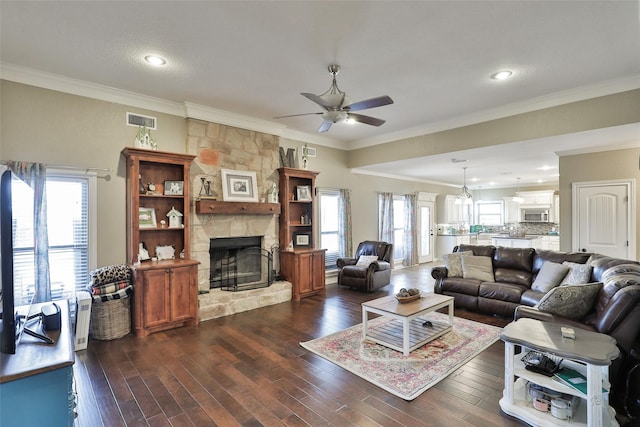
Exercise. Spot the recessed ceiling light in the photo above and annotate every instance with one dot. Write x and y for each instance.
(155, 60)
(502, 75)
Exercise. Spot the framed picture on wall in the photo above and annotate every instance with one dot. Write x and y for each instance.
(239, 186)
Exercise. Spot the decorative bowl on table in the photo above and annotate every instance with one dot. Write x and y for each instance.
(407, 295)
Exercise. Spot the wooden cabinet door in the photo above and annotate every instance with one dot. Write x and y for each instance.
(305, 273)
(317, 271)
(183, 294)
(155, 289)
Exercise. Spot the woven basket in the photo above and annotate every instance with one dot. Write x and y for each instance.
(110, 319)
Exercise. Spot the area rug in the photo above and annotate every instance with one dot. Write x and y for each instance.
(405, 376)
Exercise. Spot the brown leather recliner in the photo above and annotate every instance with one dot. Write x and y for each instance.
(369, 278)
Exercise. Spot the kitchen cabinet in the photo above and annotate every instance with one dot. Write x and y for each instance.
(513, 242)
(445, 244)
(542, 197)
(511, 211)
(451, 213)
(166, 295)
(305, 270)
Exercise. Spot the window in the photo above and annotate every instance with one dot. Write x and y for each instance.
(70, 224)
(398, 225)
(489, 213)
(329, 202)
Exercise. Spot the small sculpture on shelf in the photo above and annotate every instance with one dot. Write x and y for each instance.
(175, 218)
(273, 193)
(143, 253)
(205, 188)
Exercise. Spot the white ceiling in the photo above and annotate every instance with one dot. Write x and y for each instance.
(434, 58)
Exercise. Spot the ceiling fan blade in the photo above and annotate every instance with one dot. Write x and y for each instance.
(325, 126)
(317, 100)
(360, 118)
(296, 115)
(369, 103)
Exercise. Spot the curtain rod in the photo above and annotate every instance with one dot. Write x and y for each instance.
(106, 177)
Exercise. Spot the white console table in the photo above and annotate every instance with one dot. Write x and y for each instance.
(590, 353)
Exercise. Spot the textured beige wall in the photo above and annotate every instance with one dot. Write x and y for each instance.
(603, 166)
(61, 129)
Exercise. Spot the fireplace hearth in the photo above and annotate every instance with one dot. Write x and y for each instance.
(239, 263)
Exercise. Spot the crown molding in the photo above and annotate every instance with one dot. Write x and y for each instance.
(71, 86)
(581, 93)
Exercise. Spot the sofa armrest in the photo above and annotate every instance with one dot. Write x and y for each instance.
(439, 273)
(524, 311)
(379, 266)
(341, 262)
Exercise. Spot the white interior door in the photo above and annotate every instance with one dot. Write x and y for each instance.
(425, 231)
(602, 215)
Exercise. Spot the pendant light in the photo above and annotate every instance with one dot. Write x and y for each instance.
(464, 197)
(518, 198)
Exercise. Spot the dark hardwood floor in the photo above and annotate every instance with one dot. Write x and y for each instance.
(249, 370)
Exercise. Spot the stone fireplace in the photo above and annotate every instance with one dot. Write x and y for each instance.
(219, 147)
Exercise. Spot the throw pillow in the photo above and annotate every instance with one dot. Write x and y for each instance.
(578, 273)
(550, 276)
(453, 262)
(477, 267)
(571, 301)
(365, 260)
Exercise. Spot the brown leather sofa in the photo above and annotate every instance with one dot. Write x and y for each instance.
(371, 277)
(616, 311)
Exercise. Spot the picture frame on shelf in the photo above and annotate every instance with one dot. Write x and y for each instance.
(303, 193)
(302, 239)
(147, 218)
(239, 186)
(174, 188)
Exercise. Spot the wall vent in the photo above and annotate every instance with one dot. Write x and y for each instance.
(310, 152)
(140, 120)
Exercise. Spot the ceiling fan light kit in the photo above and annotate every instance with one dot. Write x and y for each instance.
(338, 108)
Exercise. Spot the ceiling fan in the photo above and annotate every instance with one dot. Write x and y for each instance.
(338, 107)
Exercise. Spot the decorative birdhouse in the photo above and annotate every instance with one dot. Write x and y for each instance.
(175, 218)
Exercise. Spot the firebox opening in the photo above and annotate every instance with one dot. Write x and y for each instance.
(239, 263)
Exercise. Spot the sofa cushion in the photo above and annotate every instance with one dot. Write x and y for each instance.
(571, 301)
(551, 275)
(578, 273)
(478, 250)
(477, 267)
(501, 291)
(513, 265)
(543, 255)
(459, 285)
(365, 260)
(453, 262)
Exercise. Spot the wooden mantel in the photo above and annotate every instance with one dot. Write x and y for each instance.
(204, 206)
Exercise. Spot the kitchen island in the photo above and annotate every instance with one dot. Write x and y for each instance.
(515, 242)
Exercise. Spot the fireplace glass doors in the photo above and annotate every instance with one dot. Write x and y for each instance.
(239, 263)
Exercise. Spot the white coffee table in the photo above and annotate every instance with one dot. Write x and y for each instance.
(407, 332)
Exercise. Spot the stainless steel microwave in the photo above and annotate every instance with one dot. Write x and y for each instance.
(534, 215)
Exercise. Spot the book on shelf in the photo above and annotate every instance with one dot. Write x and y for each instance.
(572, 378)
